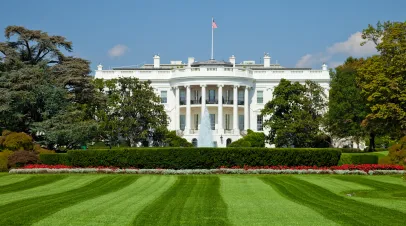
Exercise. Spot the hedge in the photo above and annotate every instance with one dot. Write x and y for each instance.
(55, 159)
(196, 158)
(358, 159)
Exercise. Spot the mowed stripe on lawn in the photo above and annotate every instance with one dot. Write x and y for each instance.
(69, 183)
(31, 182)
(31, 210)
(252, 202)
(115, 208)
(192, 200)
(341, 209)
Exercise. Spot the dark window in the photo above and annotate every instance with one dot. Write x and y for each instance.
(212, 96)
(260, 97)
(259, 123)
(194, 142)
(182, 97)
(241, 122)
(228, 117)
(228, 142)
(164, 97)
(213, 121)
(182, 122)
(240, 97)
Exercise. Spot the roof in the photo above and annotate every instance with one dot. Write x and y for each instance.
(212, 63)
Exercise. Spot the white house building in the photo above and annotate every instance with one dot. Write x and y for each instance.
(234, 93)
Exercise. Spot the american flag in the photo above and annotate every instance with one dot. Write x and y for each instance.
(213, 24)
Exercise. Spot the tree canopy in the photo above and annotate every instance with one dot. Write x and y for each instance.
(382, 78)
(294, 114)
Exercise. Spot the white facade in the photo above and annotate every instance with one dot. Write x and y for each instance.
(185, 84)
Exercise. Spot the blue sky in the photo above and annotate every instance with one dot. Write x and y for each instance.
(121, 33)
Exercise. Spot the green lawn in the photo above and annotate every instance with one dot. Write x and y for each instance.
(202, 200)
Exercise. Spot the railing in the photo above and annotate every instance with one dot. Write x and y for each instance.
(228, 102)
(240, 102)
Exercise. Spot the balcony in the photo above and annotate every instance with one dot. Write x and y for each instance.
(208, 101)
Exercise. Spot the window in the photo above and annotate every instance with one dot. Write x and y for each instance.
(259, 123)
(194, 142)
(182, 97)
(260, 97)
(241, 122)
(196, 119)
(213, 121)
(228, 142)
(182, 122)
(164, 97)
(228, 117)
(212, 96)
(240, 97)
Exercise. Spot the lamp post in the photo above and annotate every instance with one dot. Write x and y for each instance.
(221, 138)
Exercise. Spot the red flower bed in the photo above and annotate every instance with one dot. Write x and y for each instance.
(363, 167)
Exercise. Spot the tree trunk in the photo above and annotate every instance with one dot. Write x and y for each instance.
(371, 142)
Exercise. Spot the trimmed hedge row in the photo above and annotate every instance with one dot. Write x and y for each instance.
(196, 158)
(55, 159)
(357, 159)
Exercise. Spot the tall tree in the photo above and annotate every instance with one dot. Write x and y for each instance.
(347, 107)
(382, 78)
(134, 111)
(294, 114)
(38, 82)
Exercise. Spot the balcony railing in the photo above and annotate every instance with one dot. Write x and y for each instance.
(208, 101)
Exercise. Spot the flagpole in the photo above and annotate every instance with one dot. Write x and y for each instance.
(212, 57)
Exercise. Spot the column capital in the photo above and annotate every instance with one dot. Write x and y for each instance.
(220, 85)
(186, 86)
(236, 86)
(203, 85)
(174, 87)
(247, 87)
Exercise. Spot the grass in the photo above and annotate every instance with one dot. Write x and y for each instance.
(201, 200)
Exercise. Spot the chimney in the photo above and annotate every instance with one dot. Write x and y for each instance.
(232, 60)
(190, 61)
(99, 67)
(156, 61)
(267, 60)
(324, 67)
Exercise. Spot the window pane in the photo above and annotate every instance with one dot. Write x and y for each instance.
(227, 121)
(182, 121)
(240, 96)
(212, 121)
(196, 121)
(164, 98)
(241, 122)
(259, 123)
(260, 97)
(182, 94)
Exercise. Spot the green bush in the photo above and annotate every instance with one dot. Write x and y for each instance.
(54, 159)
(199, 158)
(358, 159)
(16, 141)
(4, 159)
(240, 143)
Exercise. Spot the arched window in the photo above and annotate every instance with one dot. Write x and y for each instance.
(194, 142)
(228, 142)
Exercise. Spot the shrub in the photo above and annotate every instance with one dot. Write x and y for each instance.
(252, 139)
(54, 159)
(203, 158)
(397, 152)
(22, 158)
(173, 140)
(17, 141)
(356, 159)
(4, 159)
(240, 143)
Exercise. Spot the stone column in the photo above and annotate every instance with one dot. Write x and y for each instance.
(177, 114)
(188, 112)
(246, 108)
(220, 109)
(235, 110)
(203, 99)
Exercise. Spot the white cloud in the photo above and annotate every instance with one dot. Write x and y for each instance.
(350, 47)
(118, 50)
